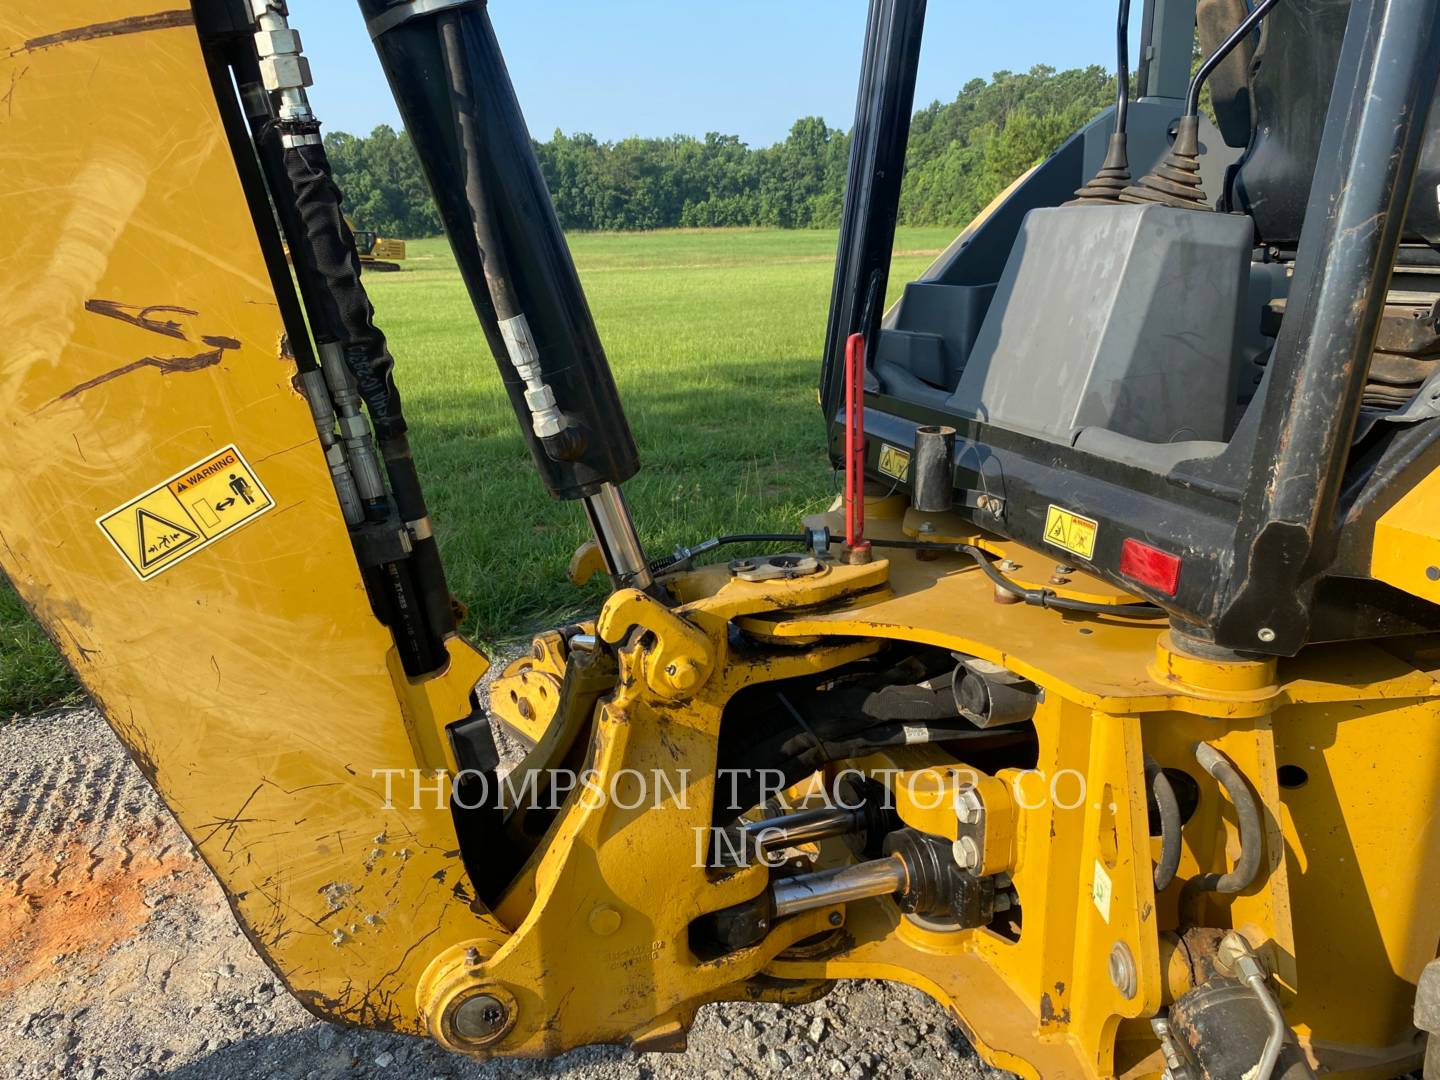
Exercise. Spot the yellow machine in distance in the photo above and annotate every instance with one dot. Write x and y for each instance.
(377, 252)
(1112, 724)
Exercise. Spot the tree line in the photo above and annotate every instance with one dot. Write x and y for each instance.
(962, 154)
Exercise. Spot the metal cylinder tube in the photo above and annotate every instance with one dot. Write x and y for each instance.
(449, 80)
(806, 892)
(807, 826)
(932, 487)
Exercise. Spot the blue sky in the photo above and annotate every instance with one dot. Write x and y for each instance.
(748, 67)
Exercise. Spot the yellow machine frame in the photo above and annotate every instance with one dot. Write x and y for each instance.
(140, 333)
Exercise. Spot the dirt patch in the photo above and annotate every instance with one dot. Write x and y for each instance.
(122, 962)
(73, 905)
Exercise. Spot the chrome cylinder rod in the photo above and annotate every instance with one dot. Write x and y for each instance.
(615, 533)
(883, 877)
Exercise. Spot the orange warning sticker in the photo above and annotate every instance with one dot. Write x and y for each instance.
(1068, 530)
(186, 513)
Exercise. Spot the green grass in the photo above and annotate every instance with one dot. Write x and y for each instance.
(715, 339)
(32, 674)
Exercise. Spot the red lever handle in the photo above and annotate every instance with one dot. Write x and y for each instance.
(855, 443)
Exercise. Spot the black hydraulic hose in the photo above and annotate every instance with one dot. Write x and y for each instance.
(1045, 598)
(420, 611)
(1247, 816)
(413, 600)
(762, 538)
(482, 211)
(344, 305)
(1224, 49)
(1122, 69)
(664, 562)
(1170, 823)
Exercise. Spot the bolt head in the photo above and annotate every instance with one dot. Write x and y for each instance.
(604, 920)
(1265, 634)
(967, 853)
(836, 918)
(1433, 573)
(1122, 970)
(481, 1019)
(683, 674)
(969, 807)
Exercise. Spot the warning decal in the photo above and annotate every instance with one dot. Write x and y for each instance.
(1068, 530)
(191, 510)
(894, 462)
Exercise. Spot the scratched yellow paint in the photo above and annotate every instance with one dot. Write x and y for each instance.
(139, 338)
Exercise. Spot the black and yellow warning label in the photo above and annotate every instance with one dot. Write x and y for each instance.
(186, 513)
(1068, 530)
(894, 462)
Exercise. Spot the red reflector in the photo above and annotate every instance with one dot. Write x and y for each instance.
(1150, 566)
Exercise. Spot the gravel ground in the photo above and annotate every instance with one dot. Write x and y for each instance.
(121, 959)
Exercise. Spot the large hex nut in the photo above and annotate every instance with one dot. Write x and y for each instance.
(285, 72)
(277, 42)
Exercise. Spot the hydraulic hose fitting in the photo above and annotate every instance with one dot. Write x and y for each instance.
(354, 428)
(546, 419)
(285, 72)
(317, 393)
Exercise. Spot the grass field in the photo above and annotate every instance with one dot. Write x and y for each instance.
(715, 338)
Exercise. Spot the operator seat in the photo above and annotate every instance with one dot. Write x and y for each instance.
(1290, 84)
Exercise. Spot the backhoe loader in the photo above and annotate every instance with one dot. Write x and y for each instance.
(1103, 708)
